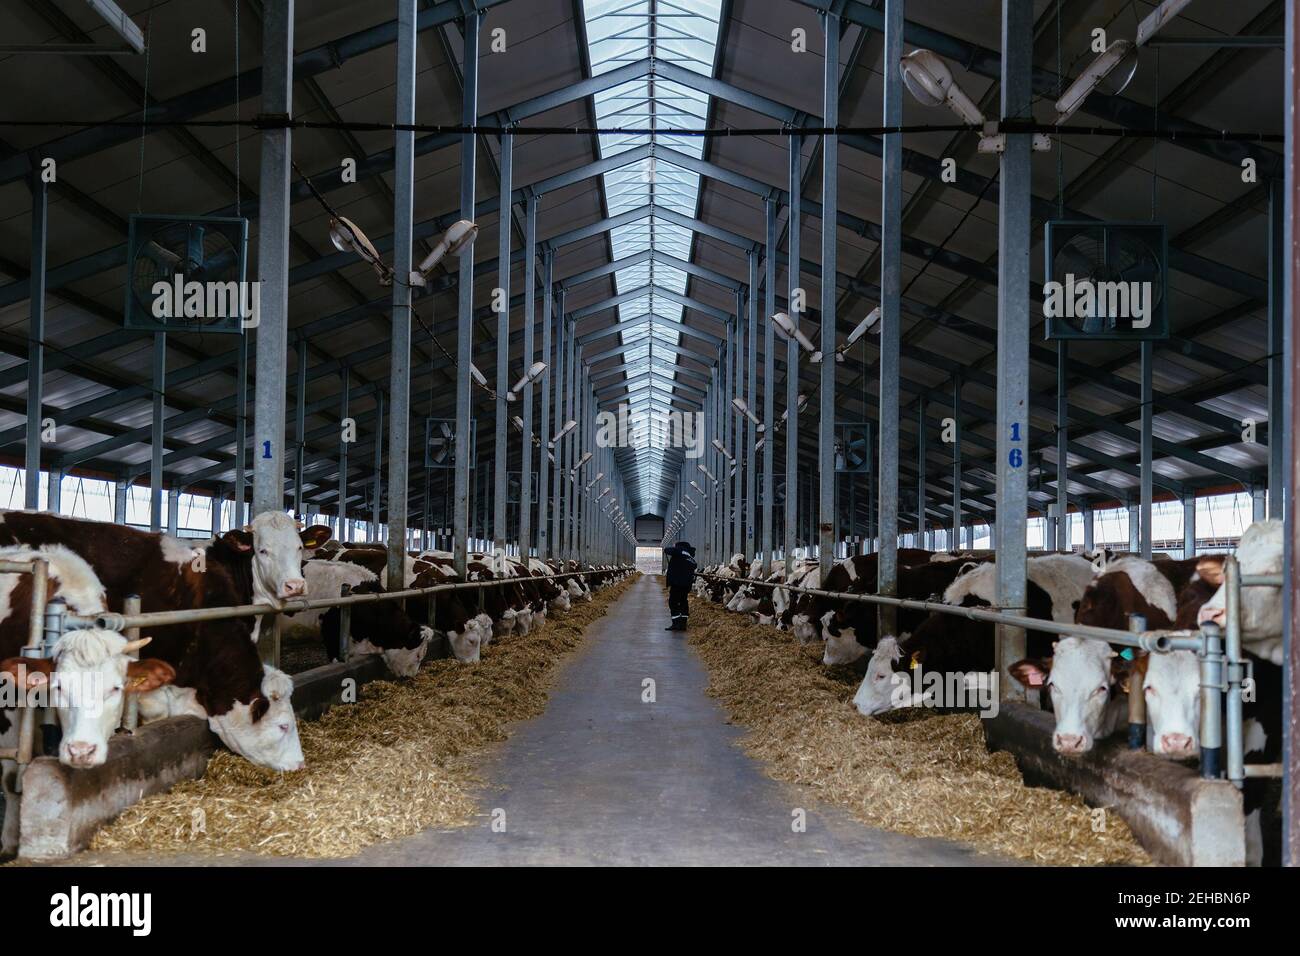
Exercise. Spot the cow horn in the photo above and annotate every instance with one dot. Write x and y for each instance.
(130, 646)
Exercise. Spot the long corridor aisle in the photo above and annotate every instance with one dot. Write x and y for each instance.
(605, 777)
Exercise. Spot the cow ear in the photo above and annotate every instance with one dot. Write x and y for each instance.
(1211, 570)
(1031, 673)
(150, 674)
(315, 536)
(238, 540)
(37, 669)
(258, 708)
(1120, 670)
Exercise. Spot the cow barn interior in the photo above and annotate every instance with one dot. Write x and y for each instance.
(648, 432)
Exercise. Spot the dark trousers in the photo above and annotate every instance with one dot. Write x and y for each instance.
(677, 603)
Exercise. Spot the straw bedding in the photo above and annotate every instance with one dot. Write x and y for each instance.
(912, 771)
(398, 761)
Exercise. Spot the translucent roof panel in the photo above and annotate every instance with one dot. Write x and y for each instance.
(685, 33)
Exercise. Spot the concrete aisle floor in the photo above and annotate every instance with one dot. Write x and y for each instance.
(603, 778)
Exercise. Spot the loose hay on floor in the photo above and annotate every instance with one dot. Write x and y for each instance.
(911, 771)
(398, 761)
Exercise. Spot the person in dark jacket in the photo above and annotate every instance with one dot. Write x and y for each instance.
(681, 575)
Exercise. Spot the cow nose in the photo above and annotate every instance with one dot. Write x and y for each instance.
(293, 588)
(1068, 743)
(1212, 615)
(81, 752)
(1176, 743)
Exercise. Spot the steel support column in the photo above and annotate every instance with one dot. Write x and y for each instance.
(1062, 523)
(891, 286)
(1013, 334)
(399, 387)
(465, 306)
(501, 457)
(544, 423)
(796, 295)
(526, 439)
(36, 343)
(751, 400)
(1189, 526)
(769, 381)
(239, 490)
(273, 267)
(300, 426)
(345, 387)
(955, 542)
(738, 433)
(556, 452)
(156, 437)
(921, 533)
(1145, 457)
(377, 483)
(1277, 404)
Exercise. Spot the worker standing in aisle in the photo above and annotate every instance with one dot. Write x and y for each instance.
(681, 575)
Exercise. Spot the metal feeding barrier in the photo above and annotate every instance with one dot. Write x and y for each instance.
(37, 645)
(51, 620)
(1223, 668)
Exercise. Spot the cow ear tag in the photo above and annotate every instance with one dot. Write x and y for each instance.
(1127, 654)
(915, 661)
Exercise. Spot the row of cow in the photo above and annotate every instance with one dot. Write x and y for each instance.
(211, 669)
(1084, 682)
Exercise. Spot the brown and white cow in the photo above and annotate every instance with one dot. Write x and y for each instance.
(1258, 553)
(91, 673)
(380, 628)
(949, 644)
(218, 673)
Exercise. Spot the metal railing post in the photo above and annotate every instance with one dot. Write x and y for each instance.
(1137, 703)
(1211, 659)
(1234, 665)
(131, 711)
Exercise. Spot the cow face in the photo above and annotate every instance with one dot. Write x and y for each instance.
(406, 661)
(264, 731)
(878, 691)
(842, 645)
(90, 684)
(1172, 688)
(1082, 678)
(467, 644)
(276, 547)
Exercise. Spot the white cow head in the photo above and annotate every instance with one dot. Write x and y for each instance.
(842, 645)
(524, 620)
(468, 643)
(88, 682)
(264, 732)
(1084, 679)
(401, 661)
(802, 627)
(561, 602)
(506, 625)
(883, 688)
(1172, 688)
(276, 547)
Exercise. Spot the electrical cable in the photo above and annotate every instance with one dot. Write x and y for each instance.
(1013, 127)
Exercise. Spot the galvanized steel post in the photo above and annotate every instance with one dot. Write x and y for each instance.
(273, 261)
(465, 303)
(1013, 334)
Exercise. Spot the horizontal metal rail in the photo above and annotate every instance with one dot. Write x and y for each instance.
(113, 621)
(1219, 651)
(1159, 641)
